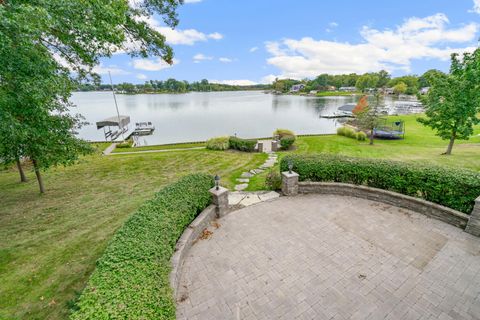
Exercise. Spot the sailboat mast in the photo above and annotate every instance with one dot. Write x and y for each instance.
(116, 105)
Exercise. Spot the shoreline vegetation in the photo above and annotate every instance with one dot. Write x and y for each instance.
(324, 85)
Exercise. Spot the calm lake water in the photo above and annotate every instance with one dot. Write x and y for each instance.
(200, 116)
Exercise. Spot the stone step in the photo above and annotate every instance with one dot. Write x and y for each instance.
(243, 180)
(246, 175)
(240, 187)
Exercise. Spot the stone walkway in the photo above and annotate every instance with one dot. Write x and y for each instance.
(331, 257)
(242, 182)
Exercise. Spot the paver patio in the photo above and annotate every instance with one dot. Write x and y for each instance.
(331, 257)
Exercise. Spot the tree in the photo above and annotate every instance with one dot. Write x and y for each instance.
(453, 101)
(46, 47)
(400, 88)
(367, 81)
(369, 117)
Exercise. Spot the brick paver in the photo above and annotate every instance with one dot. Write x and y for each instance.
(331, 257)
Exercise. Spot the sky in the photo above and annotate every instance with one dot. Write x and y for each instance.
(256, 41)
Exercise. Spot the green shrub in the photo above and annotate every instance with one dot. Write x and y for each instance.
(218, 143)
(283, 132)
(361, 136)
(246, 145)
(453, 188)
(273, 180)
(286, 142)
(131, 279)
(341, 131)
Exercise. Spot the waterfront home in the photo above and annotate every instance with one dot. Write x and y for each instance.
(347, 89)
(297, 87)
(389, 91)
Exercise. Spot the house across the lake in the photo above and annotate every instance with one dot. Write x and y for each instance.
(347, 89)
(297, 87)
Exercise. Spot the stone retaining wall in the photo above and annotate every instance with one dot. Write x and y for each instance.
(191, 233)
(450, 216)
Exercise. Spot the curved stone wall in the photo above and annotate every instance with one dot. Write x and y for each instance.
(190, 234)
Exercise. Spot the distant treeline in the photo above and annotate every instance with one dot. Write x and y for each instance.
(410, 84)
(170, 86)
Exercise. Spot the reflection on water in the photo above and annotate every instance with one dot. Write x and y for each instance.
(199, 116)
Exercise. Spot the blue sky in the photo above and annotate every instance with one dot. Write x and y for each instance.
(255, 41)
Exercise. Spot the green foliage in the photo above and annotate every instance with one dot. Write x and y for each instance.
(400, 88)
(367, 81)
(131, 279)
(273, 180)
(247, 145)
(411, 81)
(453, 101)
(283, 132)
(218, 143)
(453, 188)
(287, 141)
(369, 118)
(361, 136)
(347, 132)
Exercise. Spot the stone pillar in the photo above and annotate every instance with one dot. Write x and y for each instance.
(220, 200)
(260, 146)
(473, 225)
(274, 145)
(289, 183)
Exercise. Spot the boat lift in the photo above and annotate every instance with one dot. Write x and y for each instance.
(121, 122)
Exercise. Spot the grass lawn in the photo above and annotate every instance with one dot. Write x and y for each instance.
(161, 147)
(420, 145)
(50, 242)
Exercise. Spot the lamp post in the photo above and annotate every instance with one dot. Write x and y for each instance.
(290, 166)
(217, 182)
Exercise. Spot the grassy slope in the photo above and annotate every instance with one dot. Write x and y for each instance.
(420, 145)
(50, 243)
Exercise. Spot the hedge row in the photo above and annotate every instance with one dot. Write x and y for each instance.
(131, 279)
(247, 145)
(453, 188)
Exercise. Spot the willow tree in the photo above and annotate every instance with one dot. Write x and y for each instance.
(46, 48)
(453, 101)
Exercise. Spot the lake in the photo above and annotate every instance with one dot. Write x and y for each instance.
(198, 116)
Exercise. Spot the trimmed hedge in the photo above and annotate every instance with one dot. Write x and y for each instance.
(218, 143)
(453, 188)
(246, 145)
(131, 279)
(286, 142)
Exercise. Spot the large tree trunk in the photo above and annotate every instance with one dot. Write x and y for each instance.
(39, 176)
(23, 178)
(371, 137)
(450, 145)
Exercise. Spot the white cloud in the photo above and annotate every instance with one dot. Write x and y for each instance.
(152, 65)
(199, 57)
(141, 76)
(270, 79)
(113, 69)
(215, 36)
(476, 6)
(225, 60)
(235, 82)
(416, 38)
(331, 26)
(253, 49)
(179, 36)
